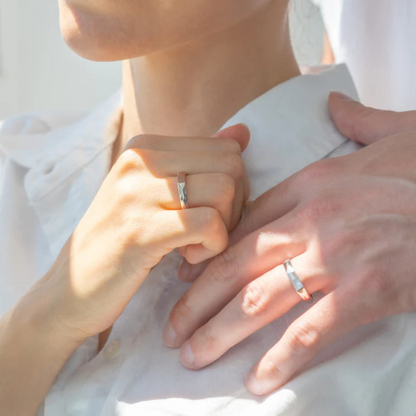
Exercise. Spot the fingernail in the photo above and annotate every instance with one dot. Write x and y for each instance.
(169, 335)
(184, 269)
(186, 355)
(253, 385)
(342, 96)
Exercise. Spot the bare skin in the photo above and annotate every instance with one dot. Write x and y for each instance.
(114, 247)
(210, 60)
(175, 76)
(349, 225)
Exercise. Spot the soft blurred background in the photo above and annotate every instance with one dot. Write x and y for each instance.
(39, 72)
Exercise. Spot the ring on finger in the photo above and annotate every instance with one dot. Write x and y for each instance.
(183, 195)
(296, 282)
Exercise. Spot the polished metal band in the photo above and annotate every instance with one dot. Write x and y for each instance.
(183, 196)
(296, 282)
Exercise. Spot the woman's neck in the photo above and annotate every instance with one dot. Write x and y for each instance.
(193, 89)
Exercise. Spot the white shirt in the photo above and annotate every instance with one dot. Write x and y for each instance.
(376, 38)
(53, 165)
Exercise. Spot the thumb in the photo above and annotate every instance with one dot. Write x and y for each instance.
(239, 132)
(367, 125)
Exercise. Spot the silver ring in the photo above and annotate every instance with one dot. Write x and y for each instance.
(183, 196)
(296, 282)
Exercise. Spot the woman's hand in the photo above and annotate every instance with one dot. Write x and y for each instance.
(136, 219)
(349, 226)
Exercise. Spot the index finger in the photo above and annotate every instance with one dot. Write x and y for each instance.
(180, 144)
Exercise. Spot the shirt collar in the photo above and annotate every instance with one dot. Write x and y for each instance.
(290, 128)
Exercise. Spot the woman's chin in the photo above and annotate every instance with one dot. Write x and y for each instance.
(83, 40)
(86, 36)
(90, 48)
(100, 42)
(100, 47)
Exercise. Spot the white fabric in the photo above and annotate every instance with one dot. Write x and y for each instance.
(52, 167)
(376, 39)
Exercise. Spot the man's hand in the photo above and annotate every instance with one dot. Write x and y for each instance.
(349, 226)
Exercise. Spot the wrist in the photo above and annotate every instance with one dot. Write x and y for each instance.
(31, 356)
(36, 317)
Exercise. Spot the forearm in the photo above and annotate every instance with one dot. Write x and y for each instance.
(31, 355)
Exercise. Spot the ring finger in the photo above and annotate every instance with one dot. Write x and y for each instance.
(215, 190)
(258, 303)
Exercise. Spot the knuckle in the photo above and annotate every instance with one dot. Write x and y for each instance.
(231, 145)
(274, 370)
(354, 239)
(206, 217)
(210, 341)
(254, 302)
(377, 291)
(124, 193)
(364, 121)
(210, 219)
(318, 208)
(376, 281)
(339, 241)
(223, 267)
(130, 160)
(301, 338)
(226, 187)
(212, 226)
(144, 141)
(317, 172)
(235, 166)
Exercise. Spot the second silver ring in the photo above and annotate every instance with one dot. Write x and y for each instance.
(296, 282)
(183, 194)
